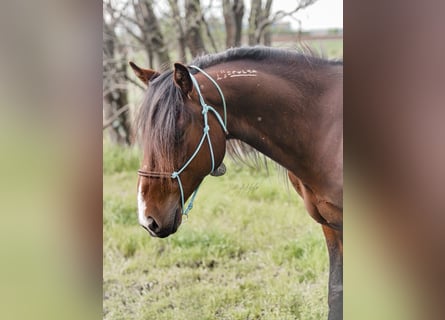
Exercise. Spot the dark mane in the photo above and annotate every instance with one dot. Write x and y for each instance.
(157, 118)
(157, 122)
(259, 53)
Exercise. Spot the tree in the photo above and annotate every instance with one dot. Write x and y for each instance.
(114, 83)
(261, 19)
(180, 29)
(193, 24)
(150, 31)
(181, 38)
(137, 19)
(233, 12)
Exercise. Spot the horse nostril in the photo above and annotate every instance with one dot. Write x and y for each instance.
(152, 225)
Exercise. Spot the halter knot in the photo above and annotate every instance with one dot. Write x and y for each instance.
(175, 174)
(205, 108)
(206, 129)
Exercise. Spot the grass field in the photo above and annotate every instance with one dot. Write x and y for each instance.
(330, 48)
(249, 250)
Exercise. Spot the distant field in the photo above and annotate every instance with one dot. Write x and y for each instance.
(331, 48)
(249, 250)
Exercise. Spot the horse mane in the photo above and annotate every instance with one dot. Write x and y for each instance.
(157, 127)
(257, 53)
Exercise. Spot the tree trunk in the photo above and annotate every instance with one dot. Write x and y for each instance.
(194, 33)
(254, 19)
(120, 129)
(267, 34)
(152, 32)
(233, 16)
(179, 26)
(267, 37)
(209, 35)
(115, 87)
(238, 10)
(229, 22)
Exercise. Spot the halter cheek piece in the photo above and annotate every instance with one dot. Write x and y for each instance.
(205, 135)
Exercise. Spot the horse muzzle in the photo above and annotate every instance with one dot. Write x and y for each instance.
(156, 229)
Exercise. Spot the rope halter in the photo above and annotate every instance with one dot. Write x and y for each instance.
(205, 136)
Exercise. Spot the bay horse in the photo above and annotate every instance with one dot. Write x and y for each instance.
(285, 104)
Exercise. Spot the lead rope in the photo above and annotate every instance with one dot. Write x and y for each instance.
(205, 109)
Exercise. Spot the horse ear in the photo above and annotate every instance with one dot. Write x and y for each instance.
(221, 170)
(144, 74)
(182, 78)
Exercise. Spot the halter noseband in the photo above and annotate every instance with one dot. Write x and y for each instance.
(205, 109)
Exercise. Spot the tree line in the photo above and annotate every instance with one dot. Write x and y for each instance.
(159, 32)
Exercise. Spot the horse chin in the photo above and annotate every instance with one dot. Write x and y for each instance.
(177, 219)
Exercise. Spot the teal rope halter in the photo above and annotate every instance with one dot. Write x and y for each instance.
(205, 136)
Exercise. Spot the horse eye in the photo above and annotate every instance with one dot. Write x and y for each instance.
(179, 136)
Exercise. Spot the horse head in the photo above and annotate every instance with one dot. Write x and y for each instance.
(182, 141)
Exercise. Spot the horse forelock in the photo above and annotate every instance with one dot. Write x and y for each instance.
(156, 121)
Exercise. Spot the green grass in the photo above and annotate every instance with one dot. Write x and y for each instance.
(249, 250)
(119, 159)
(331, 48)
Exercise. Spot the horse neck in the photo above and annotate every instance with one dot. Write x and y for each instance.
(280, 116)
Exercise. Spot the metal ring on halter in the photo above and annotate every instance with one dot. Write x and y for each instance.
(205, 109)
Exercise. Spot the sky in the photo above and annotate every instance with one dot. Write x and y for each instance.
(323, 14)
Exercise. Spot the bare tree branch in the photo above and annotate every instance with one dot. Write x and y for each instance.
(282, 14)
(133, 34)
(112, 11)
(260, 18)
(136, 83)
(115, 116)
(209, 34)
